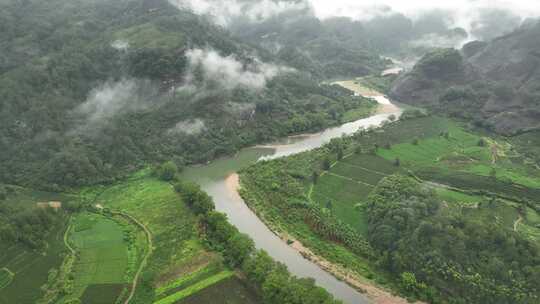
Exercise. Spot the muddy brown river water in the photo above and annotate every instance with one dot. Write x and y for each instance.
(214, 179)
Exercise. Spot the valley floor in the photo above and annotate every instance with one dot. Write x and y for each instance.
(466, 170)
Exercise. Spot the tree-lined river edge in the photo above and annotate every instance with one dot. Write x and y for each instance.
(219, 180)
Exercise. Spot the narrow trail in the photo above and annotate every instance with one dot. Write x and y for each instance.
(8, 271)
(310, 193)
(145, 259)
(516, 223)
(66, 235)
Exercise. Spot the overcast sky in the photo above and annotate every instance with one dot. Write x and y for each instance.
(364, 9)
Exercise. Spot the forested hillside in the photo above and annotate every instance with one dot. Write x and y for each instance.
(93, 89)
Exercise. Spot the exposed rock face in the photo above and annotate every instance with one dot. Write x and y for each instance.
(499, 81)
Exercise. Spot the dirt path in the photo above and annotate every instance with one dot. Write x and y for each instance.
(516, 223)
(8, 271)
(145, 259)
(66, 235)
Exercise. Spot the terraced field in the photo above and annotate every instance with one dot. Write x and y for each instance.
(179, 265)
(437, 150)
(30, 269)
(348, 183)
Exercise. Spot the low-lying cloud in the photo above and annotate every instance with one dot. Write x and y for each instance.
(112, 99)
(223, 12)
(229, 72)
(475, 16)
(107, 100)
(189, 127)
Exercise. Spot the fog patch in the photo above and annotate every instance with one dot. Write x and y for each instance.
(189, 127)
(107, 100)
(229, 72)
(482, 19)
(111, 99)
(120, 45)
(439, 41)
(223, 12)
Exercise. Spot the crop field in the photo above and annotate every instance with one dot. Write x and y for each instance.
(442, 151)
(180, 265)
(405, 131)
(196, 287)
(30, 268)
(101, 293)
(231, 291)
(6, 276)
(349, 183)
(102, 261)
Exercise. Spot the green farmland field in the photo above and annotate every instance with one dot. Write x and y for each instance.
(179, 259)
(349, 183)
(230, 291)
(102, 259)
(31, 268)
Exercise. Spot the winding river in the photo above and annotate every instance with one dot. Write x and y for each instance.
(213, 178)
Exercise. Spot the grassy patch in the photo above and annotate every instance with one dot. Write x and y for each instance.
(355, 114)
(149, 36)
(195, 288)
(455, 197)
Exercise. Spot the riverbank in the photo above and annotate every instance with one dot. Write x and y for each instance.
(375, 293)
(213, 179)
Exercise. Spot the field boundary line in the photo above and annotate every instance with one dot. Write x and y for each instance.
(516, 223)
(350, 179)
(366, 169)
(8, 271)
(195, 288)
(66, 235)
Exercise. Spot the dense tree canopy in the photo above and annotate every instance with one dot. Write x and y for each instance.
(447, 259)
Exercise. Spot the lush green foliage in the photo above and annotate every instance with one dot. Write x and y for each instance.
(66, 59)
(445, 258)
(22, 221)
(467, 230)
(275, 282)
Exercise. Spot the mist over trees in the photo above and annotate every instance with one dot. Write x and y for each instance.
(90, 96)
